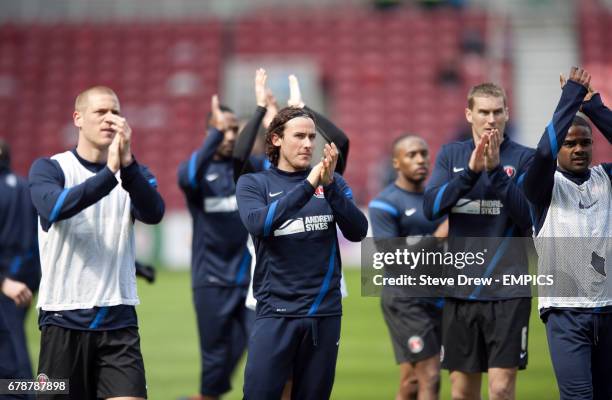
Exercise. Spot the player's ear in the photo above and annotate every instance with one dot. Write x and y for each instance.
(507, 114)
(276, 140)
(78, 119)
(468, 115)
(395, 163)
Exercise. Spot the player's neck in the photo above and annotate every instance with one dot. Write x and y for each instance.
(286, 166)
(408, 185)
(91, 153)
(578, 174)
(220, 157)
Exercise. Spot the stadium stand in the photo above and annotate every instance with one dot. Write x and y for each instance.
(379, 74)
(164, 73)
(594, 35)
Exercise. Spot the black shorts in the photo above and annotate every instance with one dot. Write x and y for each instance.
(98, 364)
(478, 335)
(414, 327)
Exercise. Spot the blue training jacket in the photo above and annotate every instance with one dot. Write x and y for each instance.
(219, 256)
(487, 204)
(18, 231)
(294, 232)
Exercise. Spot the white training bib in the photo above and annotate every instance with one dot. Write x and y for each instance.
(582, 265)
(88, 259)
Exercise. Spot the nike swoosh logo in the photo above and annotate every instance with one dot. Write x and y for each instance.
(274, 194)
(523, 354)
(410, 212)
(583, 207)
(211, 177)
(455, 169)
(464, 203)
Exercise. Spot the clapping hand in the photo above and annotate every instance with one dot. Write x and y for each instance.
(491, 150)
(295, 94)
(217, 119)
(476, 163)
(581, 76)
(330, 159)
(124, 133)
(260, 87)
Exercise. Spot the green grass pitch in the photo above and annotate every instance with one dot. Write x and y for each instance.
(366, 368)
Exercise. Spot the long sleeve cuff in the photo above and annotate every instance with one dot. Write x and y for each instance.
(130, 172)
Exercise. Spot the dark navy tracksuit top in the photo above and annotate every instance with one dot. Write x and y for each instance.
(294, 232)
(396, 212)
(18, 231)
(486, 204)
(219, 254)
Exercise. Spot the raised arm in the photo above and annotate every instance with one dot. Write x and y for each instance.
(328, 129)
(599, 114)
(246, 139)
(333, 134)
(539, 178)
(190, 173)
(244, 144)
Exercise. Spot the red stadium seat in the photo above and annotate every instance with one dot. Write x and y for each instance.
(381, 68)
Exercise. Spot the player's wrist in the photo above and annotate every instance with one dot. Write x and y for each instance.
(113, 168)
(573, 85)
(329, 187)
(492, 166)
(328, 180)
(127, 161)
(592, 99)
(314, 178)
(314, 182)
(472, 174)
(472, 168)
